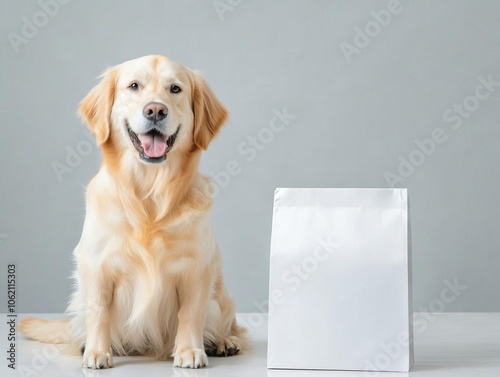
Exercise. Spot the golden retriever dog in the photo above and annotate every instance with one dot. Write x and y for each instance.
(148, 278)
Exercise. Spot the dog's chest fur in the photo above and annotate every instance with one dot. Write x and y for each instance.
(146, 257)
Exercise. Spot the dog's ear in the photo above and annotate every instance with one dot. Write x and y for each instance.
(209, 113)
(95, 108)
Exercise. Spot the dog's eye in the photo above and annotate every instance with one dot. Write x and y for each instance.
(133, 86)
(175, 88)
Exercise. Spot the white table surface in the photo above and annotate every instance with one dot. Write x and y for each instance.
(453, 344)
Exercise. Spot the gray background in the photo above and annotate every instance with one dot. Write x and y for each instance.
(353, 122)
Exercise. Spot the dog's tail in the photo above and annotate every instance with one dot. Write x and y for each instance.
(46, 331)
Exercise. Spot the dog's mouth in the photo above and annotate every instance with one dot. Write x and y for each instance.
(153, 146)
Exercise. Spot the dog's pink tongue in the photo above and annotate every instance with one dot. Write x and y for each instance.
(153, 145)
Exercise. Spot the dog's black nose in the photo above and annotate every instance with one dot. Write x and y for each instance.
(155, 111)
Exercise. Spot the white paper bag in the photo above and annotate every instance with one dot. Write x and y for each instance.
(340, 280)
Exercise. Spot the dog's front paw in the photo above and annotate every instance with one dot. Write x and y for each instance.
(97, 360)
(190, 358)
(224, 347)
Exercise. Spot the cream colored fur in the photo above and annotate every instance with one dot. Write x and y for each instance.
(148, 278)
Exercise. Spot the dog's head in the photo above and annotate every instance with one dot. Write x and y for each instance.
(151, 107)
